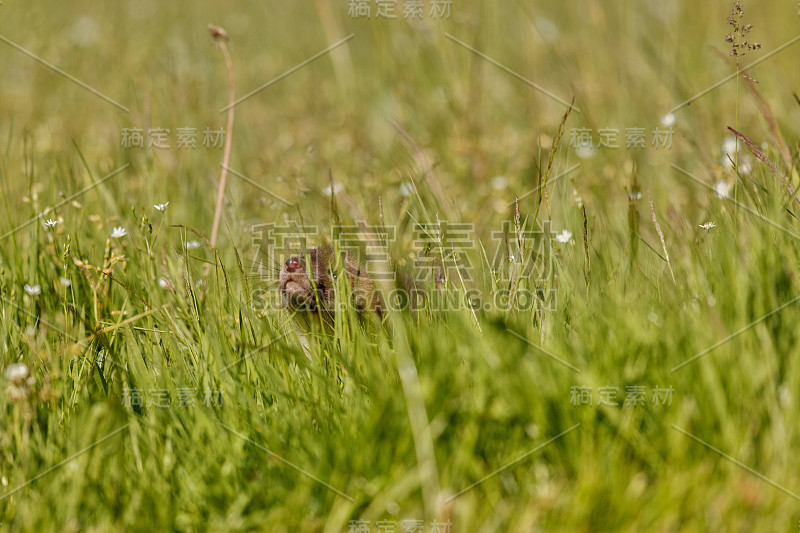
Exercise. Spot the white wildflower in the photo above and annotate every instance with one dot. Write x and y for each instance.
(33, 290)
(66, 282)
(745, 165)
(335, 189)
(16, 393)
(191, 245)
(578, 199)
(585, 150)
(708, 225)
(722, 188)
(668, 120)
(161, 207)
(730, 145)
(564, 237)
(50, 223)
(85, 32)
(406, 189)
(547, 28)
(118, 232)
(16, 373)
(499, 183)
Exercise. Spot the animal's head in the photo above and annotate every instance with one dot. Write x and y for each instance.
(308, 287)
(312, 286)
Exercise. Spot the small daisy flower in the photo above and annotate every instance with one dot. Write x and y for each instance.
(585, 150)
(336, 189)
(191, 245)
(578, 199)
(722, 188)
(708, 225)
(50, 223)
(564, 237)
(161, 207)
(16, 373)
(16, 394)
(745, 166)
(635, 195)
(499, 183)
(730, 145)
(668, 120)
(33, 290)
(118, 232)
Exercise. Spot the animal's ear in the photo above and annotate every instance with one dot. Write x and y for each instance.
(323, 255)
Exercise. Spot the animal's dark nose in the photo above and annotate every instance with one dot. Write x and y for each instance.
(293, 264)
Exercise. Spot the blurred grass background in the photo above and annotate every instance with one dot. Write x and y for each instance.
(351, 416)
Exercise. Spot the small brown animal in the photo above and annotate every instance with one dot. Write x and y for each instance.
(299, 293)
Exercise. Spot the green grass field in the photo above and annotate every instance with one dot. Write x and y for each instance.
(648, 380)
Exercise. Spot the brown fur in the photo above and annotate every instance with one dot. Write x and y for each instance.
(298, 293)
